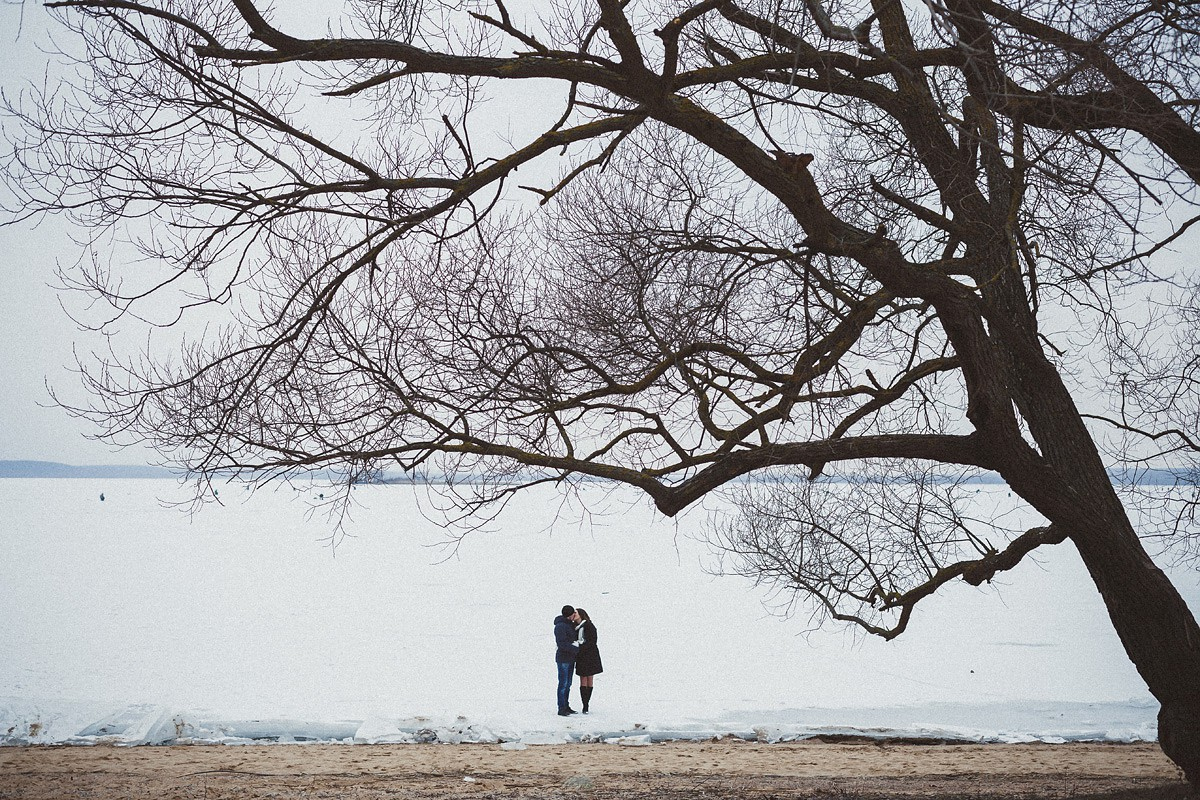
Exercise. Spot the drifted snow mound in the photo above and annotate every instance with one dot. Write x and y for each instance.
(24, 722)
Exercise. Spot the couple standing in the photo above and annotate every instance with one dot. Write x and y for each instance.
(575, 636)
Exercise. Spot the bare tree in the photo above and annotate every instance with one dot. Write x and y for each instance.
(843, 238)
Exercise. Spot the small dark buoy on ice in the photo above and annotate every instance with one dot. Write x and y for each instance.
(102, 497)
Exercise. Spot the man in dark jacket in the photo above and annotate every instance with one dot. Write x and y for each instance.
(568, 648)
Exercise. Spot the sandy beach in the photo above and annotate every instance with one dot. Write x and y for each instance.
(724, 768)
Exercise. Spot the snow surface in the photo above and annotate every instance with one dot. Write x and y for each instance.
(127, 621)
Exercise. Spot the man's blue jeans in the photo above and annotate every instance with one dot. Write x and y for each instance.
(565, 670)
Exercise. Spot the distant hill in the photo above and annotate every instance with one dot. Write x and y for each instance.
(52, 469)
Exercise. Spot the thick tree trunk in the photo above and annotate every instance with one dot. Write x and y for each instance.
(1155, 625)
(1065, 479)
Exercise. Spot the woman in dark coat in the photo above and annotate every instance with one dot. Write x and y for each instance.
(587, 663)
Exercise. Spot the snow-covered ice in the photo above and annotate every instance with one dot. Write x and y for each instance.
(129, 622)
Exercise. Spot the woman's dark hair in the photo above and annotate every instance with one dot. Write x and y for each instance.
(583, 615)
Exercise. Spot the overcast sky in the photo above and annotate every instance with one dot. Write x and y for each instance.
(35, 335)
(37, 338)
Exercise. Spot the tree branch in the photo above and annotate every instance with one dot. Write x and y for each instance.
(974, 572)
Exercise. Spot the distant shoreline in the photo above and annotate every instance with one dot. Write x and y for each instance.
(54, 469)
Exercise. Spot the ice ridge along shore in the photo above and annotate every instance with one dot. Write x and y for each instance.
(25, 722)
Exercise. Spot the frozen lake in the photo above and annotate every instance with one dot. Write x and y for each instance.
(133, 621)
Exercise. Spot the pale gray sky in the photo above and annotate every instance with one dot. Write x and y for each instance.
(36, 336)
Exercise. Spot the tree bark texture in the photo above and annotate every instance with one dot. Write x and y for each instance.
(1155, 625)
